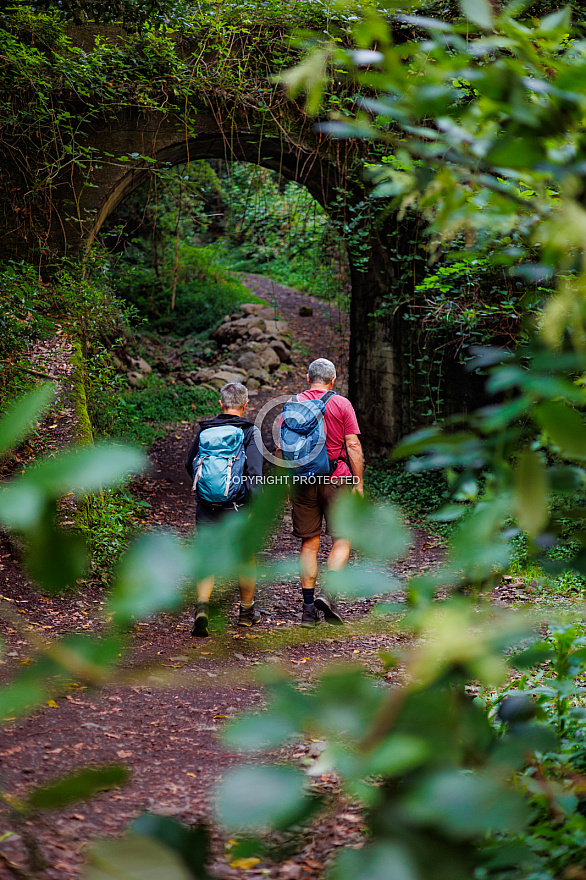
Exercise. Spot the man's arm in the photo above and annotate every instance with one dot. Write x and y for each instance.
(354, 451)
(254, 458)
(192, 453)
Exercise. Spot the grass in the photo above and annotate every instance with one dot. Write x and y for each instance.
(142, 415)
(304, 272)
(192, 302)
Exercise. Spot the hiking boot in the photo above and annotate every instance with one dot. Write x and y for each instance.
(201, 622)
(249, 616)
(325, 603)
(310, 616)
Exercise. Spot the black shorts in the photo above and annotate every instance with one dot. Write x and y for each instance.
(211, 513)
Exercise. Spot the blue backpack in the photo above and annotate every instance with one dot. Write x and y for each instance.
(303, 435)
(218, 467)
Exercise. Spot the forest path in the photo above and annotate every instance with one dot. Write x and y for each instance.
(163, 722)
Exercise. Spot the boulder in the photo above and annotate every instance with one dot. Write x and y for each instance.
(284, 369)
(305, 311)
(276, 327)
(248, 361)
(254, 345)
(261, 375)
(139, 365)
(269, 359)
(245, 325)
(282, 351)
(134, 378)
(199, 376)
(270, 339)
(255, 332)
(252, 308)
(252, 385)
(268, 313)
(230, 368)
(225, 333)
(223, 377)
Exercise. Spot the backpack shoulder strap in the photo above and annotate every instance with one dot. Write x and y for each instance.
(327, 396)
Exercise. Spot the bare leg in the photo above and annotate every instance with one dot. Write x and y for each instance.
(204, 589)
(247, 584)
(337, 559)
(308, 562)
(200, 623)
(339, 554)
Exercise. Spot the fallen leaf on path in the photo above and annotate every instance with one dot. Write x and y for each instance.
(245, 864)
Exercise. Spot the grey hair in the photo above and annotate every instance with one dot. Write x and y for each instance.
(233, 395)
(321, 370)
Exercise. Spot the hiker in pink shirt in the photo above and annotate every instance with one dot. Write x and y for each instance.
(313, 499)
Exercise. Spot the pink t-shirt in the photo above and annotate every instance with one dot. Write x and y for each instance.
(340, 420)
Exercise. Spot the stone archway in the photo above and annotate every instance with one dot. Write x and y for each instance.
(126, 148)
(111, 152)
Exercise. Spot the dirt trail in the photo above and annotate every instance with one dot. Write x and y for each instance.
(164, 724)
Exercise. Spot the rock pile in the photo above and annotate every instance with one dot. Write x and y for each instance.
(257, 346)
(136, 368)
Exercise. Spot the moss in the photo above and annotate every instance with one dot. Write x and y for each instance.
(84, 425)
(88, 505)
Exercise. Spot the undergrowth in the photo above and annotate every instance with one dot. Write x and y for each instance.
(112, 518)
(276, 228)
(188, 293)
(142, 415)
(417, 494)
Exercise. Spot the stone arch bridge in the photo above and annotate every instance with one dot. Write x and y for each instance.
(380, 378)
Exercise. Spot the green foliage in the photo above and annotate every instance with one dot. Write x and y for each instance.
(141, 415)
(109, 521)
(18, 418)
(474, 299)
(24, 306)
(431, 798)
(275, 228)
(187, 293)
(479, 800)
(159, 264)
(448, 788)
(417, 494)
(83, 305)
(191, 844)
(549, 686)
(51, 89)
(133, 14)
(134, 858)
(24, 318)
(77, 786)
(152, 575)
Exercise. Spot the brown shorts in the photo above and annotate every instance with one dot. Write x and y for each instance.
(311, 503)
